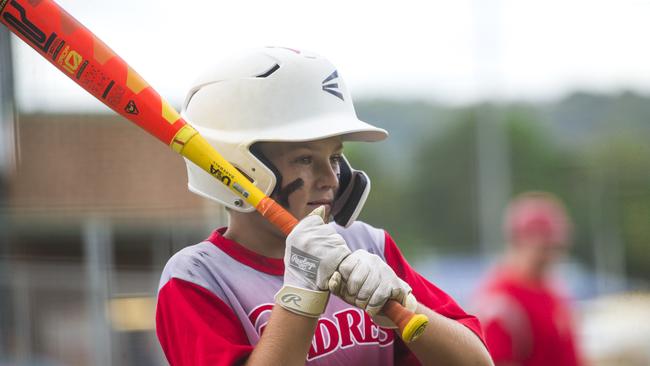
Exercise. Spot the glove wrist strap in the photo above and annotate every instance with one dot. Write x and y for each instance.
(302, 301)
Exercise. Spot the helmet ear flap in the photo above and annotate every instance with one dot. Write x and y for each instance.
(257, 152)
(354, 187)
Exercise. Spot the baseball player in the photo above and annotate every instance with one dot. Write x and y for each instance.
(281, 116)
(526, 316)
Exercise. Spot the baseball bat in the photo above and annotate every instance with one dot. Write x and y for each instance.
(84, 58)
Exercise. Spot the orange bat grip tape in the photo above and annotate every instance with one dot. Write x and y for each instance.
(277, 215)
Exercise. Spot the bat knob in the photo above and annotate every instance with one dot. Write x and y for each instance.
(415, 327)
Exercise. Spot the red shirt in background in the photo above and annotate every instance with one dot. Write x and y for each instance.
(526, 323)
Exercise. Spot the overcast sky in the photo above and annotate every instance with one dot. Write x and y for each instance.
(449, 51)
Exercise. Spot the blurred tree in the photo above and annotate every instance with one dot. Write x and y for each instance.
(541, 161)
(442, 191)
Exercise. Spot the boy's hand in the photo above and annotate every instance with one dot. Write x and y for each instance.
(366, 281)
(313, 253)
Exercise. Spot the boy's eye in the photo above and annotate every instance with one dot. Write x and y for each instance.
(307, 159)
(304, 160)
(336, 159)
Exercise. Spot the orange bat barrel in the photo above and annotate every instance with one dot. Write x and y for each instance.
(84, 58)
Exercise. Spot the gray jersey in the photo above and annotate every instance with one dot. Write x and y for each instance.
(247, 282)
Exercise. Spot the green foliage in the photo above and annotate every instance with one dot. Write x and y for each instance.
(621, 166)
(446, 216)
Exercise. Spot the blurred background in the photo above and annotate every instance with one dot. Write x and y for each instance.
(483, 99)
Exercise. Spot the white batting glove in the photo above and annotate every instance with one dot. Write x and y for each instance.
(366, 281)
(312, 254)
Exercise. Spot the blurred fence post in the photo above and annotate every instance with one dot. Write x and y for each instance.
(23, 317)
(7, 163)
(7, 106)
(608, 246)
(98, 254)
(493, 186)
(492, 145)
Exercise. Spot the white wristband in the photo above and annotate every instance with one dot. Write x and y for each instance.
(302, 301)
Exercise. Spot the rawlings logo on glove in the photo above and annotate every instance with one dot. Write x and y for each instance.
(304, 262)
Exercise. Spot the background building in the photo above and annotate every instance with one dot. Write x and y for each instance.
(89, 227)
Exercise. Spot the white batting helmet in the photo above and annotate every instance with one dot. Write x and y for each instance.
(274, 94)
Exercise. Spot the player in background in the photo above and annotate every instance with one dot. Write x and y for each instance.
(281, 117)
(525, 313)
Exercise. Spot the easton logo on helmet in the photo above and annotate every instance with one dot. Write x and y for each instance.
(332, 87)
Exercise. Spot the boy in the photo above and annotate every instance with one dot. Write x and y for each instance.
(280, 116)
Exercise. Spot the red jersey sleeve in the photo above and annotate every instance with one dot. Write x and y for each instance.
(427, 294)
(195, 327)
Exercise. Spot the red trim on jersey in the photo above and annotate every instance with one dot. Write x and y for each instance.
(427, 293)
(196, 328)
(272, 266)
